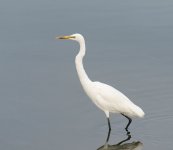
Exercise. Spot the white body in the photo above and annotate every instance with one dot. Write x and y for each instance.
(104, 96)
(111, 100)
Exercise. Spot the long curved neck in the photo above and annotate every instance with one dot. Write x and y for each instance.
(83, 77)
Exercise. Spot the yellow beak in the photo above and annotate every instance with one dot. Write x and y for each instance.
(65, 37)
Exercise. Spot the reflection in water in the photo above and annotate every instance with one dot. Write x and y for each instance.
(126, 146)
(127, 130)
(120, 146)
(128, 138)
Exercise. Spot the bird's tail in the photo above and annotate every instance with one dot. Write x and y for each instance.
(138, 112)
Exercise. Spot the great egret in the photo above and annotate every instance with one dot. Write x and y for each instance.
(104, 96)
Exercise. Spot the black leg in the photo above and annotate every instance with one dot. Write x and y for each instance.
(130, 120)
(109, 131)
(109, 124)
(127, 139)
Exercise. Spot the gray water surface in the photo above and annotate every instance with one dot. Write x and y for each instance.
(129, 46)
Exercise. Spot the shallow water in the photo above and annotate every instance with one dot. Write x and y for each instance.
(129, 45)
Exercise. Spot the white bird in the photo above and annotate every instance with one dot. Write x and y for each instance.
(104, 96)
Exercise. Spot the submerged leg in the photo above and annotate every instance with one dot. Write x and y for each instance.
(109, 131)
(130, 120)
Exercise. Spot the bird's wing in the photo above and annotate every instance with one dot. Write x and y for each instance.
(113, 99)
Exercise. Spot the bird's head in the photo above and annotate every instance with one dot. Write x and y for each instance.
(76, 37)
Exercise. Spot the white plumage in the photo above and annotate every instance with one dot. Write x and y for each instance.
(104, 96)
(111, 100)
